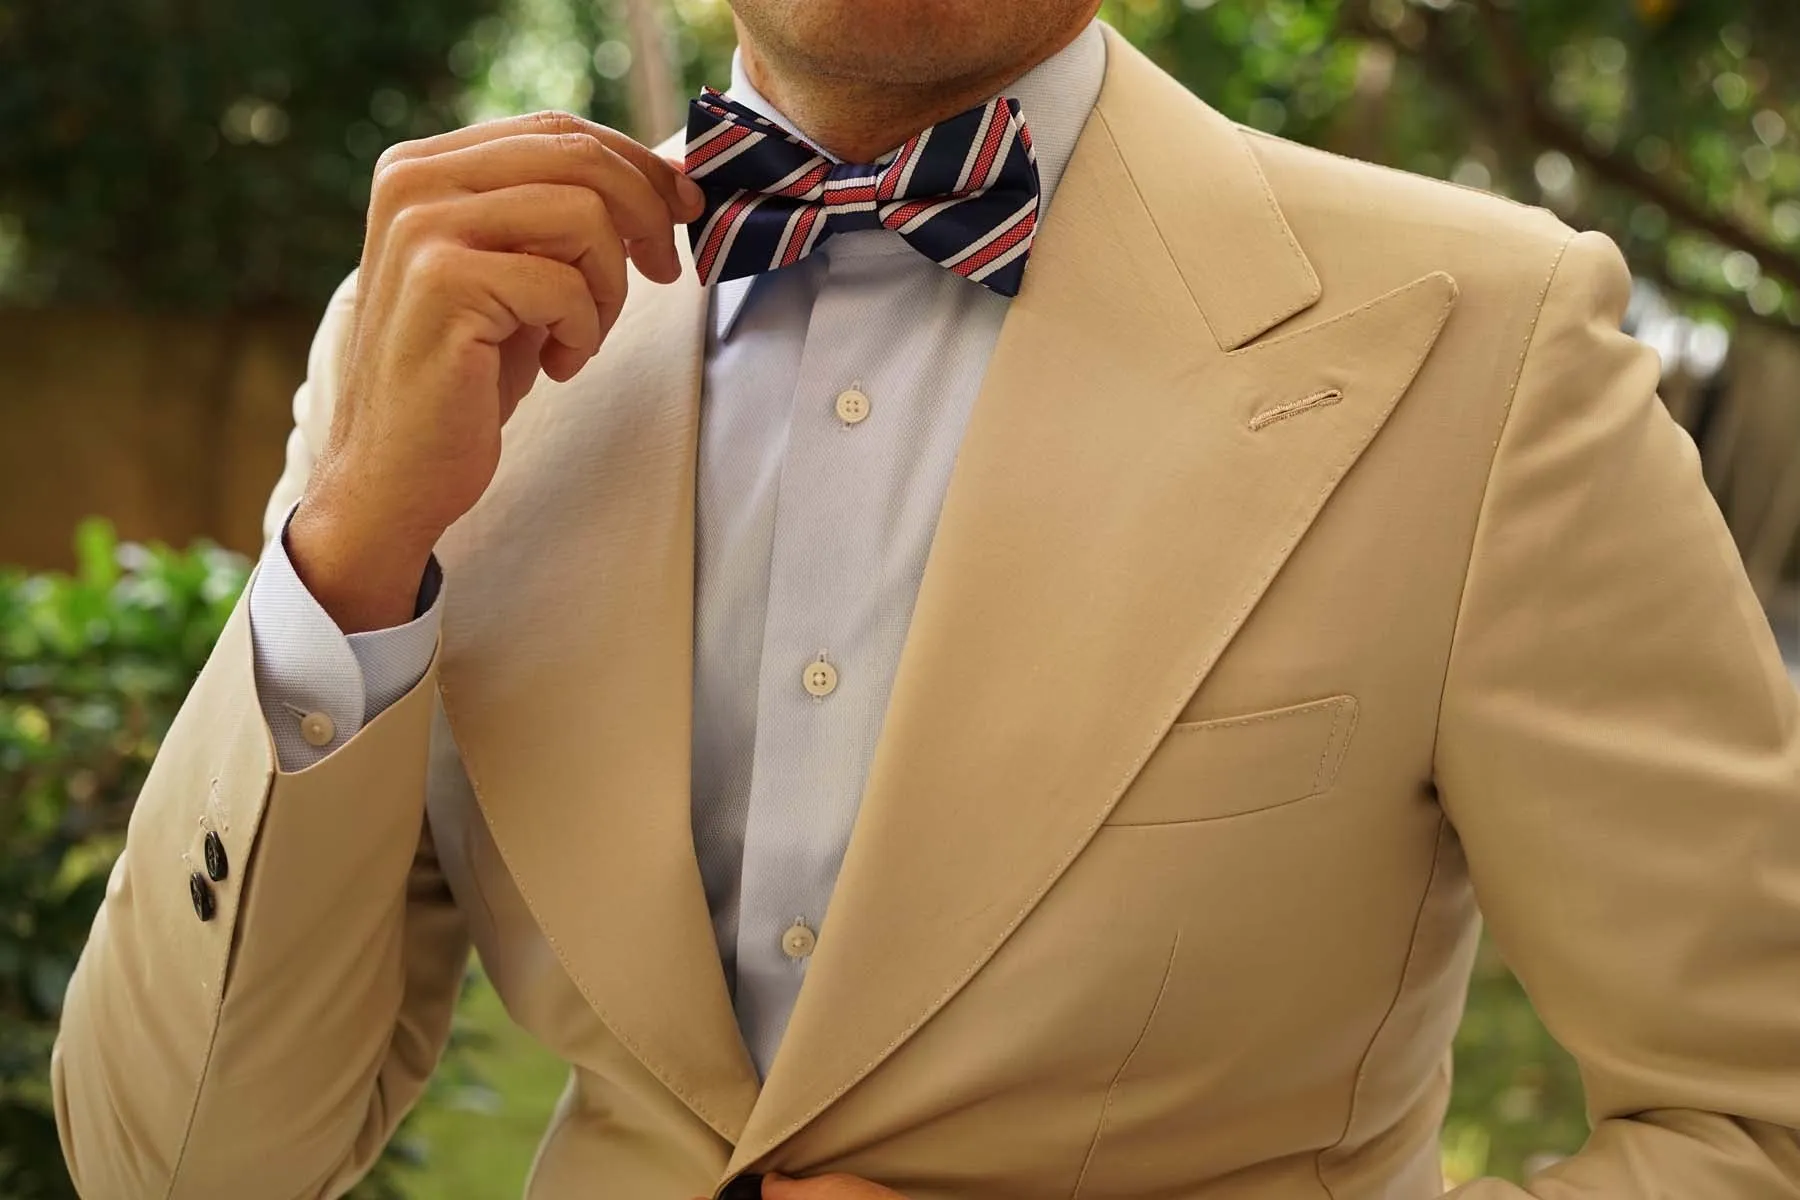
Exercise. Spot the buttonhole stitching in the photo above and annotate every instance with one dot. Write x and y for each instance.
(215, 808)
(1282, 412)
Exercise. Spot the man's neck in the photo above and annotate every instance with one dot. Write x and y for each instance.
(858, 121)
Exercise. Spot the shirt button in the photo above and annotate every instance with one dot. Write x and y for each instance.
(821, 678)
(798, 941)
(317, 728)
(852, 407)
(201, 893)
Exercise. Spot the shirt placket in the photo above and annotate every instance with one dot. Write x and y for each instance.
(822, 685)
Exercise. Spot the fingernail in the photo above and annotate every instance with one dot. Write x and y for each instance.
(690, 192)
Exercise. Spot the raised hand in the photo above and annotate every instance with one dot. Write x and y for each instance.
(493, 252)
(823, 1187)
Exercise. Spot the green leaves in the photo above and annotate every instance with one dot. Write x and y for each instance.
(1673, 125)
(1517, 1098)
(96, 553)
(92, 668)
(208, 154)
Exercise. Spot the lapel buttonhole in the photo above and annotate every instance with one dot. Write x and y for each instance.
(1294, 408)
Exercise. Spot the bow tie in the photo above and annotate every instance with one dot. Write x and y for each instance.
(963, 193)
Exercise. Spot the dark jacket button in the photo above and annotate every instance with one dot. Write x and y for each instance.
(216, 863)
(202, 894)
(742, 1187)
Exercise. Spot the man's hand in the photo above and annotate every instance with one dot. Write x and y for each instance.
(492, 252)
(823, 1187)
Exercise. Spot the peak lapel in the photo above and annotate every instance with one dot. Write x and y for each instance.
(567, 679)
(1125, 493)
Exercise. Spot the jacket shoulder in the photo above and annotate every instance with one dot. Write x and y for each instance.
(1368, 225)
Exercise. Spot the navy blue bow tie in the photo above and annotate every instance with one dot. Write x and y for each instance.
(963, 193)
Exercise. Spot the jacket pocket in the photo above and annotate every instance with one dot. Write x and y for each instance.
(1235, 765)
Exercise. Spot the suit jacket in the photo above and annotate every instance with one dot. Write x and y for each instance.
(1318, 559)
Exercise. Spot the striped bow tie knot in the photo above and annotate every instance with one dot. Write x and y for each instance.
(963, 193)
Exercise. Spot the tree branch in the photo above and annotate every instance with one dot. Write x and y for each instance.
(1525, 121)
(1554, 131)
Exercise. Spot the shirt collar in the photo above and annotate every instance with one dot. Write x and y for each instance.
(1055, 98)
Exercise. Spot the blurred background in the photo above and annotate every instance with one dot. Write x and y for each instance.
(182, 183)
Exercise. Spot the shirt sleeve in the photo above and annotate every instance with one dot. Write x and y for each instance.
(318, 687)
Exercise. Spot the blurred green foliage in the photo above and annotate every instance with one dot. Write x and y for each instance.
(211, 153)
(93, 666)
(206, 153)
(1670, 124)
(1517, 1100)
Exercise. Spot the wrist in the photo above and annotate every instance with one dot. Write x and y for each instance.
(366, 576)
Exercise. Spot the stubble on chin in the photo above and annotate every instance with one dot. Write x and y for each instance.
(911, 44)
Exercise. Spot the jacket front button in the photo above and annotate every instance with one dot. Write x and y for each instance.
(217, 865)
(743, 1187)
(202, 894)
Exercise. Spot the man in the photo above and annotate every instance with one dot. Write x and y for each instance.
(1109, 699)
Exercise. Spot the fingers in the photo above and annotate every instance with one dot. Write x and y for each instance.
(679, 194)
(519, 228)
(691, 194)
(639, 213)
(567, 224)
(546, 122)
(499, 293)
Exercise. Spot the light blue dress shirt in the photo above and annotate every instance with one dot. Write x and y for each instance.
(834, 400)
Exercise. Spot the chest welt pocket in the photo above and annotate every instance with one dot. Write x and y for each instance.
(1236, 765)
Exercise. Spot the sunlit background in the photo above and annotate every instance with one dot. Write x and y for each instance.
(182, 184)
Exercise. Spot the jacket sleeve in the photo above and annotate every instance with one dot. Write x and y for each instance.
(315, 400)
(1618, 751)
(271, 1049)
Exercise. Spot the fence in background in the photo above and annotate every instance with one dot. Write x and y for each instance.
(172, 427)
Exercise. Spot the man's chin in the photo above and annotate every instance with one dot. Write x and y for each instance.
(893, 42)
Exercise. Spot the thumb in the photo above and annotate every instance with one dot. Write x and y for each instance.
(692, 198)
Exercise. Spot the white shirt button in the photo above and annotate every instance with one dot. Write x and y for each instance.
(852, 407)
(820, 678)
(318, 729)
(798, 941)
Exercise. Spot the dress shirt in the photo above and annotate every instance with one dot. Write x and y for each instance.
(834, 399)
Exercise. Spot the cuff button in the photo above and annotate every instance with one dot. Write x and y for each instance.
(217, 865)
(202, 894)
(317, 728)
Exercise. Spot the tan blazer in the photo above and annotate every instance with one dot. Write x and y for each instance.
(1318, 560)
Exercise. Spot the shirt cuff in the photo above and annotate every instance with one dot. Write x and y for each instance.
(317, 687)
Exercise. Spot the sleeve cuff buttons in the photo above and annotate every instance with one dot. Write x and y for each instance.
(202, 894)
(217, 865)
